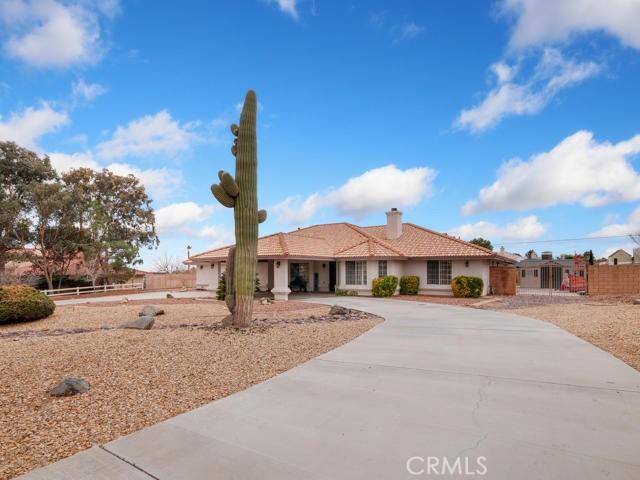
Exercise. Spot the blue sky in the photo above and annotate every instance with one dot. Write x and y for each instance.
(515, 120)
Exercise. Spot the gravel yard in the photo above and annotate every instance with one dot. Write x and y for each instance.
(139, 378)
(612, 324)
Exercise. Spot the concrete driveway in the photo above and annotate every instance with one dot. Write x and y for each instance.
(435, 388)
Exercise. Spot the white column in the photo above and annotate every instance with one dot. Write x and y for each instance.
(280, 288)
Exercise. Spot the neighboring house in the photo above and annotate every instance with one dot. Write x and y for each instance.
(545, 272)
(516, 257)
(619, 257)
(348, 257)
(24, 268)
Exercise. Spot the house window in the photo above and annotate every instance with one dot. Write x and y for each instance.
(524, 273)
(356, 273)
(535, 273)
(615, 261)
(439, 272)
(299, 270)
(382, 268)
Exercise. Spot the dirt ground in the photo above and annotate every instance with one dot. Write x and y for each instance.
(139, 378)
(610, 323)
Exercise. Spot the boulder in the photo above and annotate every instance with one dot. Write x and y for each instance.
(169, 295)
(150, 311)
(140, 323)
(69, 386)
(338, 310)
(636, 301)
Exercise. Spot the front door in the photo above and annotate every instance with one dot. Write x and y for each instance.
(332, 276)
(316, 281)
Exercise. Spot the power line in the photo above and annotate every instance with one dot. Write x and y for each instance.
(563, 240)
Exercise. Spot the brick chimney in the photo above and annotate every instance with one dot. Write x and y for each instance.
(394, 224)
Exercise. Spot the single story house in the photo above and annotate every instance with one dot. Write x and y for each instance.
(547, 272)
(323, 258)
(620, 257)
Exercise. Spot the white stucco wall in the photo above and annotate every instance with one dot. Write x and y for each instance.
(207, 274)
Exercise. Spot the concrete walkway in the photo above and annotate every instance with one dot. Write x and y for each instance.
(135, 296)
(432, 381)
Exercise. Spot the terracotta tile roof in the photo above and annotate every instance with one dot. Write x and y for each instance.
(345, 240)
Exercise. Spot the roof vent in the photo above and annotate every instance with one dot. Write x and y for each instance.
(394, 224)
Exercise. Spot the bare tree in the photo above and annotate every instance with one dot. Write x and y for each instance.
(167, 264)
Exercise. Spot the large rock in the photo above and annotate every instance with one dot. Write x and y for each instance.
(140, 323)
(338, 310)
(150, 311)
(169, 295)
(636, 301)
(69, 386)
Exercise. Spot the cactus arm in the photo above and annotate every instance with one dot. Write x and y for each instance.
(229, 185)
(222, 196)
(262, 216)
(235, 129)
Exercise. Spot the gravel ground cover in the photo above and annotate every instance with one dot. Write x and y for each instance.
(442, 300)
(610, 323)
(139, 378)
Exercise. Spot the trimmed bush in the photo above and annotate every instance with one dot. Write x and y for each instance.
(346, 293)
(467, 287)
(409, 285)
(20, 303)
(221, 291)
(384, 286)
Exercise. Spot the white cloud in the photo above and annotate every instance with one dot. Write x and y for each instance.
(552, 74)
(151, 134)
(547, 21)
(181, 214)
(27, 126)
(217, 235)
(52, 34)
(296, 210)
(577, 170)
(408, 30)
(288, 6)
(87, 91)
(63, 162)
(375, 190)
(526, 228)
(632, 226)
(159, 182)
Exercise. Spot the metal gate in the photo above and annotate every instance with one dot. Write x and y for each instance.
(555, 278)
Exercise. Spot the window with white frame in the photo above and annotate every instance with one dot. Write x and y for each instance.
(439, 272)
(356, 273)
(382, 268)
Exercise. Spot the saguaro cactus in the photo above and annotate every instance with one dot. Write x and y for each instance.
(240, 193)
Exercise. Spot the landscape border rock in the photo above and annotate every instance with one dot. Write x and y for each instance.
(140, 323)
(69, 386)
(150, 311)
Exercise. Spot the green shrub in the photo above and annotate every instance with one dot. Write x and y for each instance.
(467, 287)
(221, 291)
(20, 303)
(409, 285)
(384, 286)
(64, 282)
(346, 293)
